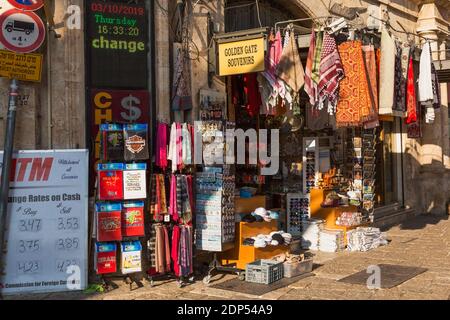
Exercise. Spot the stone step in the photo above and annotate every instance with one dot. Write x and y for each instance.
(393, 218)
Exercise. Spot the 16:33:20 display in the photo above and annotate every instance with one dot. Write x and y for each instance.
(118, 30)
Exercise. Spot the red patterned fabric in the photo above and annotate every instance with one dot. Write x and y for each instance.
(411, 102)
(354, 99)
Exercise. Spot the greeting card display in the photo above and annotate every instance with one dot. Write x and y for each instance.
(110, 181)
(133, 219)
(135, 181)
(136, 142)
(131, 257)
(105, 258)
(109, 222)
(111, 142)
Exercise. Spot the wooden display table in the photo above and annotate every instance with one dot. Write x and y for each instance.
(330, 215)
(242, 255)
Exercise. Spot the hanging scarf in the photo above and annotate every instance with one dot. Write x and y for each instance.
(387, 73)
(426, 95)
(160, 249)
(151, 246)
(167, 260)
(411, 102)
(372, 74)
(182, 91)
(399, 83)
(175, 254)
(315, 75)
(173, 154)
(310, 86)
(187, 145)
(173, 209)
(290, 68)
(161, 146)
(354, 100)
(371, 71)
(185, 251)
(331, 74)
(251, 90)
(272, 60)
(179, 147)
(436, 88)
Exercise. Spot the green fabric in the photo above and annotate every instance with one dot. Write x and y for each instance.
(317, 55)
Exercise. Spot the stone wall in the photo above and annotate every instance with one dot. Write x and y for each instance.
(52, 114)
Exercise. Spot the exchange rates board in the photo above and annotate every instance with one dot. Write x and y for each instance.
(47, 235)
(118, 44)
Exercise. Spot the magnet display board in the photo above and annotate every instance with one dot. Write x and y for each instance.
(47, 237)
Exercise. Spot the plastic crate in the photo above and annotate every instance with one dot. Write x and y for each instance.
(264, 271)
(296, 269)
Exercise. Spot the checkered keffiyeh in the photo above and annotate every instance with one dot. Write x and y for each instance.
(331, 71)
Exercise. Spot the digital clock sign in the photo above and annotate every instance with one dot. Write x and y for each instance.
(118, 44)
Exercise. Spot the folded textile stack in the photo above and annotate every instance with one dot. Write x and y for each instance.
(310, 233)
(331, 241)
(349, 219)
(276, 238)
(365, 239)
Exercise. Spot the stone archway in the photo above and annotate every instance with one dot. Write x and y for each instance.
(311, 8)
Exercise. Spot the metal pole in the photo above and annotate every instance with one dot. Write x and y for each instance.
(6, 167)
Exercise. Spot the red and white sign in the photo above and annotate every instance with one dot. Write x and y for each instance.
(21, 31)
(27, 5)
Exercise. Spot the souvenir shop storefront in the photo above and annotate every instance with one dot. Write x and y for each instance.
(168, 203)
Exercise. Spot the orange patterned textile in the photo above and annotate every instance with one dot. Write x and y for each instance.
(355, 106)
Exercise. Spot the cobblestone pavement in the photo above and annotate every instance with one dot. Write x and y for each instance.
(423, 242)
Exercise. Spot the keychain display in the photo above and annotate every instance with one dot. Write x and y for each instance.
(135, 181)
(133, 219)
(369, 141)
(131, 257)
(109, 222)
(136, 142)
(105, 258)
(111, 142)
(110, 181)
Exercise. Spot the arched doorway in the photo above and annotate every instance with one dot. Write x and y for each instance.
(245, 14)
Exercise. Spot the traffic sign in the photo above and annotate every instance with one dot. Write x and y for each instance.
(21, 31)
(27, 5)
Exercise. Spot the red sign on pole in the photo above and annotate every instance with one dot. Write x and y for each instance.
(21, 31)
(27, 5)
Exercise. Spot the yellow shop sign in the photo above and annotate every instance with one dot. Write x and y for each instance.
(25, 67)
(241, 57)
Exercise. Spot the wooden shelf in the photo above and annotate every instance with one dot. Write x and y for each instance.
(242, 255)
